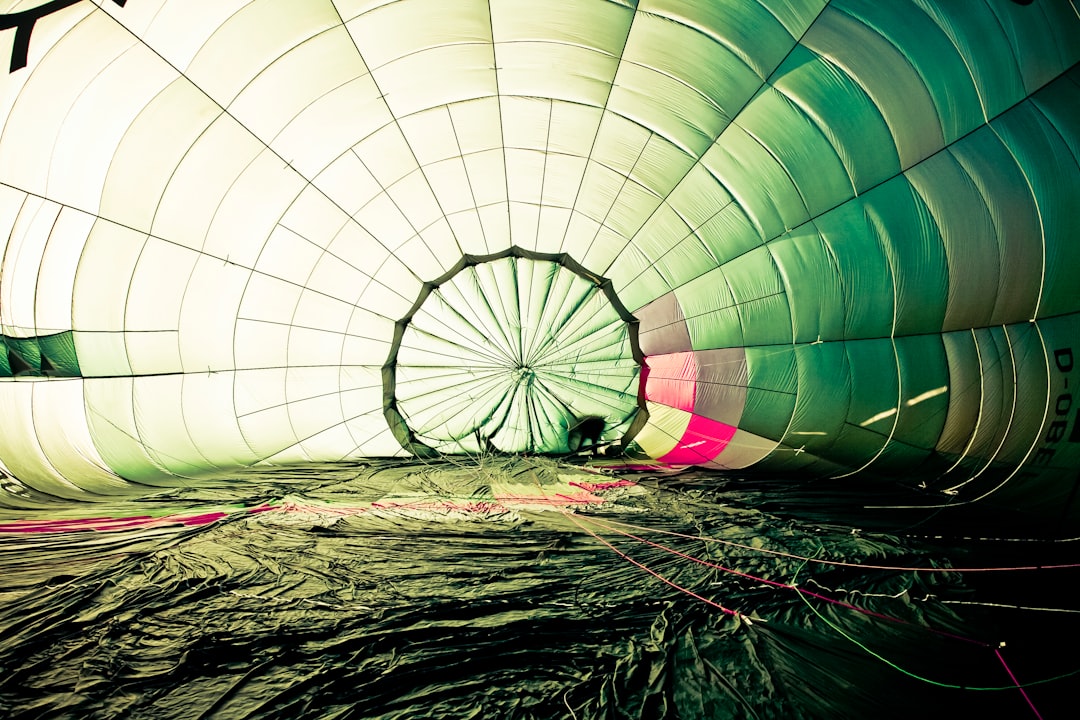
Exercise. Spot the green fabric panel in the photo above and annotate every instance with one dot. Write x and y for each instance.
(812, 283)
(636, 279)
(986, 51)
(772, 384)
(1051, 169)
(757, 182)
(729, 233)
(1059, 441)
(753, 276)
(906, 230)
(800, 147)
(848, 118)
(59, 349)
(856, 446)
(708, 306)
(753, 29)
(5, 368)
(821, 403)
(1001, 182)
(924, 382)
(27, 351)
(874, 388)
(965, 389)
(1032, 390)
(684, 262)
(998, 395)
(889, 80)
(969, 238)
(865, 273)
(1059, 103)
(932, 54)
(766, 321)
(719, 329)
(1030, 33)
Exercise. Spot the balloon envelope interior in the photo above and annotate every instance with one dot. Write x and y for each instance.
(828, 238)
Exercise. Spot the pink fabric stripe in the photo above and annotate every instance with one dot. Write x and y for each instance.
(672, 380)
(703, 440)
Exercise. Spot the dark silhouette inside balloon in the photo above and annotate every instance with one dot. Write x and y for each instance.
(585, 433)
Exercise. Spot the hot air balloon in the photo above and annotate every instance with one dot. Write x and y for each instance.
(832, 238)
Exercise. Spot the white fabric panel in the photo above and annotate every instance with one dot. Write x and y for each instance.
(477, 124)
(83, 149)
(387, 155)
(392, 31)
(162, 430)
(101, 354)
(363, 350)
(295, 80)
(551, 229)
(158, 285)
(60, 425)
(412, 195)
(601, 25)
(487, 176)
(496, 222)
(11, 203)
(56, 282)
(563, 175)
(257, 390)
(524, 221)
(153, 145)
(469, 231)
(110, 414)
(583, 75)
(269, 299)
(436, 77)
(314, 347)
(360, 250)
(319, 312)
(20, 448)
(439, 237)
(430, 134)
(573, 128)
(259, 344)
(21, 263)
(743, 450)
(524, 175)
(526, 122)
(268, 431)
(337, 278)
(422, 261)
(314, 217)
(383, 219)
(288, 256)
(450, 182)
(198, 183)
(208, 314)
(233, 55)
(62, 70)
(236, 232)
(331, 124)
(210, 419)
(153, 352)
(346, 182)
(171, 28)
(105, 269)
